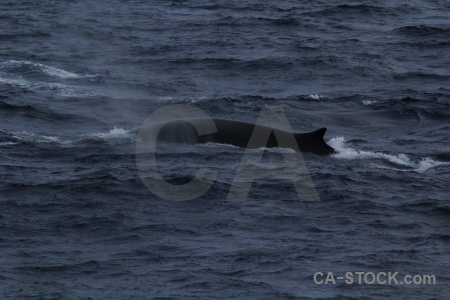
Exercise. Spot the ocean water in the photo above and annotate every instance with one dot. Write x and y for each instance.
(76, 220)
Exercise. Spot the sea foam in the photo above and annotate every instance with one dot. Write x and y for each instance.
(402, 160)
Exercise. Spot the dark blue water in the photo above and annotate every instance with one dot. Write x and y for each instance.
(76, 220)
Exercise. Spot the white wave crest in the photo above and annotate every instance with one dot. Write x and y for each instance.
(116, 133)
(55, 72)
(368, 102)
(14, 82)
(316, 97)
(8, 143)
(49, 70)
(275, 150)
(25, 136)
(344, 152)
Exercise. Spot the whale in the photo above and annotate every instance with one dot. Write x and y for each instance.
(232, 132)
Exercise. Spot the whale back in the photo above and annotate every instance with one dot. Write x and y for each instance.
(235, 133)
(238, 133)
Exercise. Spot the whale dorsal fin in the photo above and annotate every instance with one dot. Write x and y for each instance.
(320, 132)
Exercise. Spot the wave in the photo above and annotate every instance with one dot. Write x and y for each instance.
(361, 10)
(433, 107)
(39, 77)
(37, 110)
(63, 90)
(8, 138)
(422, 30)
(21, 35)
(248, 64)
(245, 99)
(279, 21)
(421, 75)
(312, 97)
(17, 137)
(8, 143)
(116, 133)
(369, 102)
(28, 67)
(402, 161)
